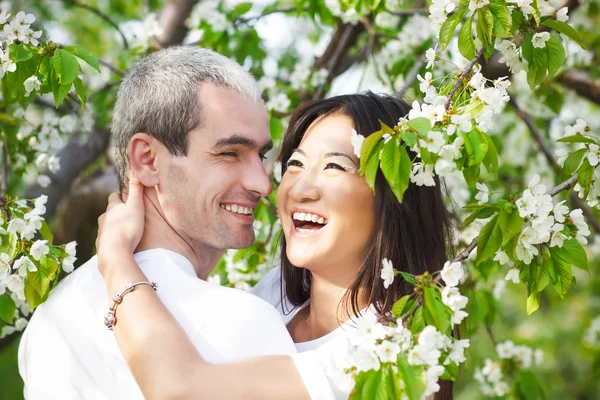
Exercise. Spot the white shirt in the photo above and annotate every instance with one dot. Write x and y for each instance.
(67, 353)
(319, 361)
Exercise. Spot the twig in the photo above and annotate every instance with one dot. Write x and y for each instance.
(114, 69)
(491, 335)
(404, 13)
(264, 14)
(101, 15)
(335, 59)
(539, 139)
(463, 75)
(108, 86)
(411, 76)
(4, 178)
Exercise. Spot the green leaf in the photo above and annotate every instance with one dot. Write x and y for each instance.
(396, 167)
(372, 165)
(242, 8)
(7, 308)
(585, 176)
(46, 232)
(60, 92)
(417, 323)
(536, 11)
(449, 26)
(409, 138)
(421, 125)
(9, 245)
(66, 67)
(32, 296)
(471, 174)
(409, 278)
(368, 148)
(510, 225)
(490, 161)
(565, 29)
(489, 240)
(479, 214)
(572, 162)
(527, 49)
(533, 303)
(21, 53)
(556, 55)
(576, 139)
(466, 44)
(85, 56)
(80, 91)
(485, 25)
(476, 145)
(413, 377)
(563, 273)
(276, 128)
(502, 20)
(572, 252)
(402, 306)
(436, 309)
(528, 384)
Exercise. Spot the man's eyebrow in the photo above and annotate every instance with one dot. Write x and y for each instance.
(238, 139)
(337, 154)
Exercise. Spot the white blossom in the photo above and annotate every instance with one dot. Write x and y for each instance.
(513, 275)
(475, 4)
(422, 175)
(579, 128)
(433, 141)
(357, 142)
(593, 155)
(457, 353)
(561, 14)
(483, 193)
(24, 264)
(431, 57)
(387, 351)
(387, 273)
(38, 249)
(280, 103)
(539, 39)
(452, 273)
(31, 84)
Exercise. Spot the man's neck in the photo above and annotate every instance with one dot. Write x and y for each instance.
(158, 233)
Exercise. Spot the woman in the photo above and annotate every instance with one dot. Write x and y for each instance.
(336, 236)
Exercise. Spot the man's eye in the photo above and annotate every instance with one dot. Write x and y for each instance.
(335, 166)
(228, 154)
(262, 157)
(294, 163)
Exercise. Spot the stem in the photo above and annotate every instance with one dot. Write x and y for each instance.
(101, 15)
(4, 178)
(463, 75)
(332, 65)
(114, 69)
(422, 11)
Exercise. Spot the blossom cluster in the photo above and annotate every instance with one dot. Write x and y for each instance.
(22, 252)
(139, 33)
(492, 377)
(11, 30)
(350, 16)
(452, 274)
(374, 344)
(208, 12)
(414, 33)
(445, 139)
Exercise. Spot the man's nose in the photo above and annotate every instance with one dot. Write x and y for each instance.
(256, 179)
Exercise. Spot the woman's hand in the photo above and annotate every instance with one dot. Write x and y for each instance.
(121, 227)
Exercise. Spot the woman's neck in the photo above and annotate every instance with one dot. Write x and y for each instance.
(325, 313)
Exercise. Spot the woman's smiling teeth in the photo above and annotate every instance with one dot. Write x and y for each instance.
(308, 222)
(237, 209)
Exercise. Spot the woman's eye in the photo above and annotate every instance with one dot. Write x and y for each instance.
(294, 163)
(335, 166)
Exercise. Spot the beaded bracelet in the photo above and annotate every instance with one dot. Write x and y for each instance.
(110, 319)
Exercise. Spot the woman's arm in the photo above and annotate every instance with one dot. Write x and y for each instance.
(163, 360)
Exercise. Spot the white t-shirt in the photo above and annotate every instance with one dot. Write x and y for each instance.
(319, 361)
(67, 353)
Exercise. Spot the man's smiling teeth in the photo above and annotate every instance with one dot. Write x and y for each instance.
(237, 209)
(317, 219)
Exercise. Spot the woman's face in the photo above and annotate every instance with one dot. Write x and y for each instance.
(326, 207)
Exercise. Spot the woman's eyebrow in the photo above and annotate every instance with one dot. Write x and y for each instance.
(338, 154)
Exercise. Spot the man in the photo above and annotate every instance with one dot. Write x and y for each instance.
(190, 124)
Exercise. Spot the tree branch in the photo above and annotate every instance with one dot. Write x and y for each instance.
(102, 15)
(406, 13)
(114, 69)
(107, 86)
(4, 177)
(580, 82)
(539, 139)
(411, 76)
(343, 39)
(270, 12)
(172, 21)
(463, 75)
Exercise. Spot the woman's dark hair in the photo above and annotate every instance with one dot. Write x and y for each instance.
(414, 234)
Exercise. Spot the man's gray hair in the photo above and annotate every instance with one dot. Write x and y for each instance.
(159, 96)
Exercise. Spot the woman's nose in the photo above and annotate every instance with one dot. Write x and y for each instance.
(305, 187)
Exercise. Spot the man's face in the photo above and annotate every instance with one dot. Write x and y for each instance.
(210, 195)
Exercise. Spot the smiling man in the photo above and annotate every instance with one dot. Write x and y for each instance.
(191, 126)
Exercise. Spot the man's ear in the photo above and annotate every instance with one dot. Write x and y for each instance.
(142, 151)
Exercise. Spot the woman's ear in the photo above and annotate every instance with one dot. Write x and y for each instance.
(142, 151)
